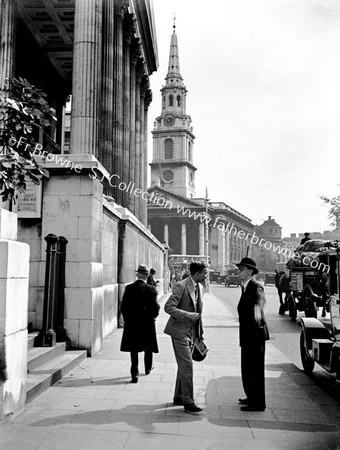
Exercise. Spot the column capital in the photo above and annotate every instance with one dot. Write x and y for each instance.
(144, 85)
(129, 27)
(148, 98)
(140, 69)
(121, 7)
(135, 51)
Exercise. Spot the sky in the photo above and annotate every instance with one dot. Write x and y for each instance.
(263, 81)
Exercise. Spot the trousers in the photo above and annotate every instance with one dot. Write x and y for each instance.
(252, 370)
(184, 388)
(148, 358)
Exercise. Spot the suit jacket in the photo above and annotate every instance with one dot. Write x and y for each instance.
(179, 304)
(252, 332)
(139, 308)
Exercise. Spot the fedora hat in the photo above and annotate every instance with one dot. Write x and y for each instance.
(142, 268)
(248, 262)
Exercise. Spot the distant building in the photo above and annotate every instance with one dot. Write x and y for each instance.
(194, 228)
(271, 250)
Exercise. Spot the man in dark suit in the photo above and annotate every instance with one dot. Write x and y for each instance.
(305, 239)
(253, 334)
(185, 308)
(140, 309)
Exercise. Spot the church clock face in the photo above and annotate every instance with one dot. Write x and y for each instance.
(168, 176)
(169, 120)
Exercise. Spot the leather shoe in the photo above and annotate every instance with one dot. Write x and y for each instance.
(251, 408)
(243, 401)
(191, 408)
(178, 401)
(147, 371)
(134, 380)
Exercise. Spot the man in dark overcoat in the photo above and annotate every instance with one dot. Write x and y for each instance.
(185, 308)
(140, 309)
(253, 334)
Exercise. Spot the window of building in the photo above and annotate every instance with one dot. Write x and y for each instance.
(169, 149)
(189, 152)
(164, 102)
(171, 100)
(178, 100)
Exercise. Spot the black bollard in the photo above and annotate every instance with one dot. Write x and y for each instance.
(60, 297)
(47, 336)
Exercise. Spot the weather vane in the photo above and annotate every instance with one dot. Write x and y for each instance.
(174, 25)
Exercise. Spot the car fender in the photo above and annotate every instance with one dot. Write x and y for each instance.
(313, 329)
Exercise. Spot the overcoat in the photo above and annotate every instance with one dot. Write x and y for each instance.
(180, 303)
(140, 309)
(252, 332)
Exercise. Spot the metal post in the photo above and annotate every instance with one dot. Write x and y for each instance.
(47, 337)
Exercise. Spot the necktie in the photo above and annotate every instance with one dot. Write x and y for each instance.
(197, 297)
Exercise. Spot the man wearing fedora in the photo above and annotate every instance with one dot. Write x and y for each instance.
(185, 308)
(140, 309)
(253, 334)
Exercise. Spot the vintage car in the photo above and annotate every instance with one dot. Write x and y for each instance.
(269, 278)
(319, 343)
(232, 278)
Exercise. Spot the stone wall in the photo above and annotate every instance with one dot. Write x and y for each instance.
(14, 272)
(98, 267)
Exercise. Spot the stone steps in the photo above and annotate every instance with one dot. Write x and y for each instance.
(46, 365)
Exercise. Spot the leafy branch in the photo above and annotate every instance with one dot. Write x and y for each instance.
(334, 211)
(23, 111)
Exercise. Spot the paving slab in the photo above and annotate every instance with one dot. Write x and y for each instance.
(96, 407)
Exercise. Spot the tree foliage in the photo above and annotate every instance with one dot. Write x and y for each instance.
(23, 111)
(334, 211)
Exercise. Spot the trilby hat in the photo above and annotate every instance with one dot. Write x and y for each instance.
(142, 268)
(248, 262)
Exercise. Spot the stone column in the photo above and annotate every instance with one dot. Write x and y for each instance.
(143, 150)
(184, 238)
(147, 101)
(137, 180)
(201, 249)
(121, 7)
(86, 76)
(166, 233)
(134, 53)
(7, 24)
(129, 29)
(106, 103)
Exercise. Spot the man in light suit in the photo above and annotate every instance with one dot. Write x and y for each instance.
(253, 334)
(185, 308)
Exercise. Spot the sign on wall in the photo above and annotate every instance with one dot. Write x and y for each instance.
(29, 203)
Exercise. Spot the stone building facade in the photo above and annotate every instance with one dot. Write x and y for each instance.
(101, 53)
(193, 228)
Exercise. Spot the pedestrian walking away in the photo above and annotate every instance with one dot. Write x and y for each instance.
(151, 280)
(185, 309)
(253, 334)
(140, 309)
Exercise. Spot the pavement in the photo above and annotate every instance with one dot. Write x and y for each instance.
(96, 407)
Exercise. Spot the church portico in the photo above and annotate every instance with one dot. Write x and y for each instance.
(101, 54)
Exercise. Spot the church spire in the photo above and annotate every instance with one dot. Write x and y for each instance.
(173, 66)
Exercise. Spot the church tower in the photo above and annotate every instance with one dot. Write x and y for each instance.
(173, 139)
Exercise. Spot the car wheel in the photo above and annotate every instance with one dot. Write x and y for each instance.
(307, 361)
(310, 306)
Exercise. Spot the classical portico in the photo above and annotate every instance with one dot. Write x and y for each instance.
(101, 54)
